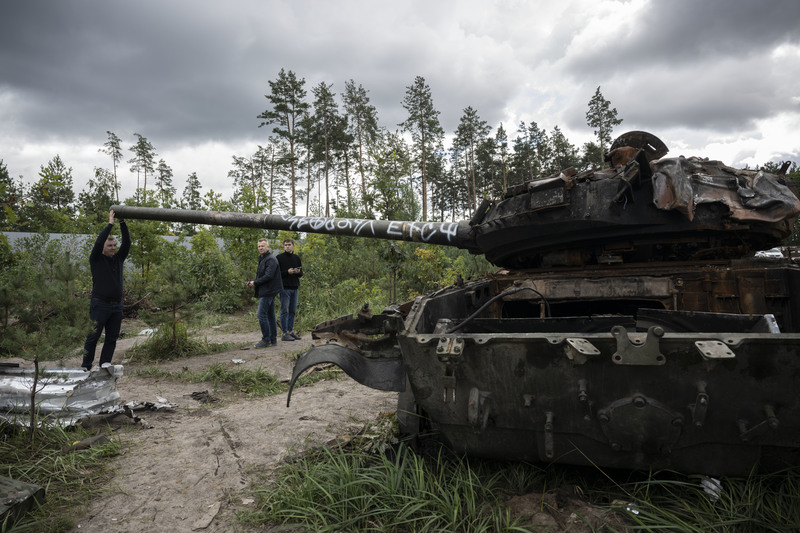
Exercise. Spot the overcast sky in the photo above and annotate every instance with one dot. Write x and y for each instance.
(713, 78)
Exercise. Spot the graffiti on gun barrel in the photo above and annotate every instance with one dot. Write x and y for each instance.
(417, 231)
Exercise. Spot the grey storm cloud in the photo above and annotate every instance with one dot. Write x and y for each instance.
(698, 64)
(186, 73)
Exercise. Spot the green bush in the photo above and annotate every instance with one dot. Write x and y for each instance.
(168, 343)
(218, 282)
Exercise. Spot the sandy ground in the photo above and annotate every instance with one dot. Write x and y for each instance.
(190, 468)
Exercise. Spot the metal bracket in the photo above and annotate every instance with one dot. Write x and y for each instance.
(450, 349)
(580, 350)
(714, 350)
(634, 350)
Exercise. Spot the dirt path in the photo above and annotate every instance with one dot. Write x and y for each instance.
(190, 470)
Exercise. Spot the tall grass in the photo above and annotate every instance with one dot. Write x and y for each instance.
(71, 479)
(338, 489)
(767, 502)
(348, 490)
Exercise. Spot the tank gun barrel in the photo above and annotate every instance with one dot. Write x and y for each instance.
(455, 234)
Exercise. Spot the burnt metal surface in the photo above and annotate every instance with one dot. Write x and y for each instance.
(647, 378)
(630, 326)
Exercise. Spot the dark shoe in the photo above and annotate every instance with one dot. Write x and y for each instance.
(295, 335)
(273, 343)
(287, 337)
(261, 344)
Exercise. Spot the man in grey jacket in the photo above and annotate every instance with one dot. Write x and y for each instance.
(267, 285)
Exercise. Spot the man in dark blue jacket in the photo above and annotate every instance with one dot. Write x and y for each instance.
(267, 285)
(105, 309)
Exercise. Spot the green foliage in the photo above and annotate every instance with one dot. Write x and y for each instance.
(148, 247)
(340, 490)
(169, 343)
(759, 502)
(7, 258)
(217, 282)
(171, 291)
(94, 203)
(240, 243)
(51, 320)
(343, 273)
(50, 202)
(602, 118)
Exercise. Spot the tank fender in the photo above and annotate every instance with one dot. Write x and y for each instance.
(384, 373)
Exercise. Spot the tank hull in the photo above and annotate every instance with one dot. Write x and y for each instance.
(693, 368)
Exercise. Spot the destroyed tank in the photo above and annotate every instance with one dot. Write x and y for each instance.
(629, 325)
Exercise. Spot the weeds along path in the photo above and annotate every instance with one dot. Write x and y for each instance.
(191, 469)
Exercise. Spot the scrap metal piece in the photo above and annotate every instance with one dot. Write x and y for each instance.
(386, 373)
(17, 498)
(65, 395)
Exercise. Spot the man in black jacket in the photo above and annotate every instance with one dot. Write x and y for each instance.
(267, 285)
(105, 309)
(291, 271)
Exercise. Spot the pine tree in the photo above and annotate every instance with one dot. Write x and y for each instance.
(470, 133)
(11, 197)
(328, 127)
(287, 108)
(564, 153)
(529, 151)
(50, 200)
(165, 192)
(113, 148)
(426, 131)
(363, 124)
(94, 202)
(143, 162)
(501, 143)
(602, 117)
(191, 193)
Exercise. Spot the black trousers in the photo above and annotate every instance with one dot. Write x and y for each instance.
(106, 316)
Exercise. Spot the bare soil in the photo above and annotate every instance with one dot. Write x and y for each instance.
(190, 468)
